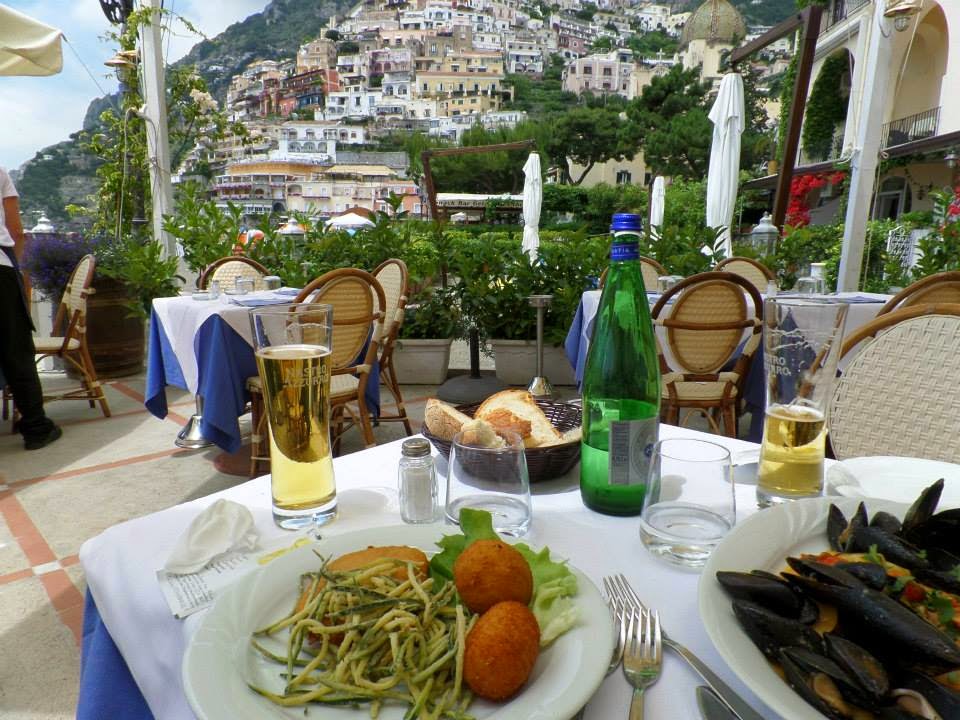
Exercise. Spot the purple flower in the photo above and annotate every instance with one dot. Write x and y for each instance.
(49, 258)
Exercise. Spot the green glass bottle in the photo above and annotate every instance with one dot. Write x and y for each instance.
(621, 384)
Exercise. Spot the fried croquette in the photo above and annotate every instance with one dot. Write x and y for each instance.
(489, 572)
(501, 650)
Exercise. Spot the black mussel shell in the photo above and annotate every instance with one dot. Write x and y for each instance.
(868, 672)
(771, 632)
(893, 547)
(944, 700)
(942, 531)
(764, 589)
(818, 680)
(828, 574)
(923, 508)
(839, 528)
(870, 574)
(886, 522)
(896, 713)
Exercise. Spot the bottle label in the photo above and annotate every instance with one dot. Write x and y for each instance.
(631, 449)
(625, 251)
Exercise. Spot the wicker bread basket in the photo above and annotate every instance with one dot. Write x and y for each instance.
(543, 463)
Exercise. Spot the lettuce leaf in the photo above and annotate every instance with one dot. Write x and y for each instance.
(554, 584)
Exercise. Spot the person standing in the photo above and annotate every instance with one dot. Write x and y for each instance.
(17, 353)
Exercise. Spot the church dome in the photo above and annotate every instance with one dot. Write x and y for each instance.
(714, 21)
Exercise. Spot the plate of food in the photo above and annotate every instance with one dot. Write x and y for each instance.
(899, 479)
(365, 624)
(836, 607)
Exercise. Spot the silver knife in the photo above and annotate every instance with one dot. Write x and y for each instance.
(712, 707)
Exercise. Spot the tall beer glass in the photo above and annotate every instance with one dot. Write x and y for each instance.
(292, 344)
(801, 344)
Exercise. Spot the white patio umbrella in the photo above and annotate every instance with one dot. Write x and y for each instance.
(27, 46)
(657, 197)
(727, 116)
(532, 201)
(348, 221)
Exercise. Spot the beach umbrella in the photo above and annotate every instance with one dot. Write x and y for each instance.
(350, 221)
(657, 197)
(727, 116)
(532, 200)
(27, 46)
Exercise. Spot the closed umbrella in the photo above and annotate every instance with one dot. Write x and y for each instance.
(657, 197)
(727, 116)
(532, 200)
(28, 47)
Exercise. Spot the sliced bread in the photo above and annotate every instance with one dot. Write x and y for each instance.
(443, 420)
(516, 410)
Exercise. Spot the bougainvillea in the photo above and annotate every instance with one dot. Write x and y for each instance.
(798, 208)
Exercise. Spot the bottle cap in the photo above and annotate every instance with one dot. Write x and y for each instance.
(415, 447)
(626, 222)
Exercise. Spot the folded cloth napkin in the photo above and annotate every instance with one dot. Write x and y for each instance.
(223, 526)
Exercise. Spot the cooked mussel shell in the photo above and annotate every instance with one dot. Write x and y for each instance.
(771, 632)
(923, 508)
(769, 591)
(944, 700)
(868, 573)
(861, 665)
(893, 547)
(821, 572)
(839, 528)
(942, 531)
(820, 681)
(916, 705)
(886, 522)
(946, 581)
(895, 712)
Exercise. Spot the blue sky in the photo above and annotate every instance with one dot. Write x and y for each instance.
(40, 111)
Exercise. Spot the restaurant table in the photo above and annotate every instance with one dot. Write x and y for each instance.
(206, 347)
(863, 308)
(137, 646)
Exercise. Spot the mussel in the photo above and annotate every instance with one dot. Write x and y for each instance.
(886, 522)
(942, 531)
(944, 700)
(820, 681)
(870, 574)
(771, 632)
(894, 548)
(770, 592)
(839, 528)
(923, 508)
(862, 666)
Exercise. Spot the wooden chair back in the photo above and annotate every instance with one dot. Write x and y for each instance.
(71, 317)
(751, 270)
(393, 276)
(898, 394)
(707, 320)
(226, 270)
(942, 287)
(649, 268)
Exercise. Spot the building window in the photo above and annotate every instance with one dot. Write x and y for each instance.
(588, 70)
(607, 72)
(623, 177)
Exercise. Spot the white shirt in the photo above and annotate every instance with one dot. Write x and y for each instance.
(6, 190)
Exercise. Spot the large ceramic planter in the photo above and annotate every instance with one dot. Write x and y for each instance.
(517, 362)
(114, 337)
(421, 362)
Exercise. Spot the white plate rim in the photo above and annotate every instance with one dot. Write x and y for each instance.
(761, 542)
(594, 634)
(914, 472)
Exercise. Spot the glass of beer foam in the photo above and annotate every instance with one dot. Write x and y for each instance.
(801, 347)
(292, 343)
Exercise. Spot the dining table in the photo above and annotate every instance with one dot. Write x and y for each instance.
(133, 646)
(206, 346)
(863, 307)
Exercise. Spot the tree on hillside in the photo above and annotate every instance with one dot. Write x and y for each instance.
(590, 135)
(671, 115)
(649, 44)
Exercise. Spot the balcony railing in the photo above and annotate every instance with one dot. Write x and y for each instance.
(913, 127)
(842, 9)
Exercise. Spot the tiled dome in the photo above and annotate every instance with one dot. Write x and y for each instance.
(715, 20)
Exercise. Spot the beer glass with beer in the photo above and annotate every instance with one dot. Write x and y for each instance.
(292, 343)
(801, 344)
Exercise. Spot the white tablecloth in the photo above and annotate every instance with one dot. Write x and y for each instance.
(181, 318)
(120, 566)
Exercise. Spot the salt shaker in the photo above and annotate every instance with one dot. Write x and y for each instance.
(417, 478)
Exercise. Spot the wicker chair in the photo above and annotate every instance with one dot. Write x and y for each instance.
(651, 270)
(899, 394)
(393, 277)
(943, 287)
(703, 332)
(71, 345)
(355, 296)
(756, 273)
(226, 270)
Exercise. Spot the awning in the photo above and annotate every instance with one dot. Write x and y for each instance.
(27, 46)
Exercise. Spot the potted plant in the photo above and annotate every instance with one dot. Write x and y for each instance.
(129, 275)
(431, 322)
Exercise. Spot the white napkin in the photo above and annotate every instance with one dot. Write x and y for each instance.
(841, 481)
(223, 526)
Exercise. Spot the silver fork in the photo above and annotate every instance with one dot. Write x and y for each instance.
(624, 591)
(642, 655)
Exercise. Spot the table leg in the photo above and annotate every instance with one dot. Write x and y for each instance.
(190, 436)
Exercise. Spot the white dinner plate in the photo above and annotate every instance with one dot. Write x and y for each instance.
(900, 479)
(762, 542)
(219, 660)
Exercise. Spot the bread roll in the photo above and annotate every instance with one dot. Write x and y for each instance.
(443, 420)
(517, 411)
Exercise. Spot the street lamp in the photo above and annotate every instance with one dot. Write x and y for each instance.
(765, 235)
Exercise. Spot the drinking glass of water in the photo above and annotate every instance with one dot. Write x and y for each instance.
(494, 479)
(689, 505)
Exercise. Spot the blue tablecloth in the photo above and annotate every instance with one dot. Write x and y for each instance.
(225, 360)
(107, 689)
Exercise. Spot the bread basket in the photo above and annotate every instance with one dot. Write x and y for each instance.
(543, 463)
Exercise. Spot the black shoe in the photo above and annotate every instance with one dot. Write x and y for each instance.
(42, 441)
